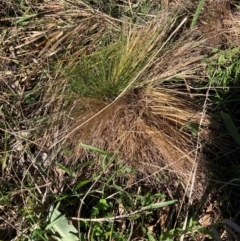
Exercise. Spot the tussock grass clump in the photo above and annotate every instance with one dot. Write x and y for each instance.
(125, 102)
(133, 87)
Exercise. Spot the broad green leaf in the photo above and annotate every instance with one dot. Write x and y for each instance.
(102, 205)
(59, 224)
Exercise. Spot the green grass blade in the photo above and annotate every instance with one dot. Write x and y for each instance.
(81, 184)
(160, 205)
(232, 224)
(92, 148)
(197, 13)
(62, 167)
(231, 127)
(25, 18)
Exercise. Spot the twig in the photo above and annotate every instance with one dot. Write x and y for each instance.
(195, 167)
(130, 6)
(111, 218)
(30, 189)
(188, 89)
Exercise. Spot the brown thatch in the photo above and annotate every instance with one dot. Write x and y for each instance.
(219, 24)
(146, 130)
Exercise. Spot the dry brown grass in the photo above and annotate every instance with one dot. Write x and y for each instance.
(149, 126)
(219, 24)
